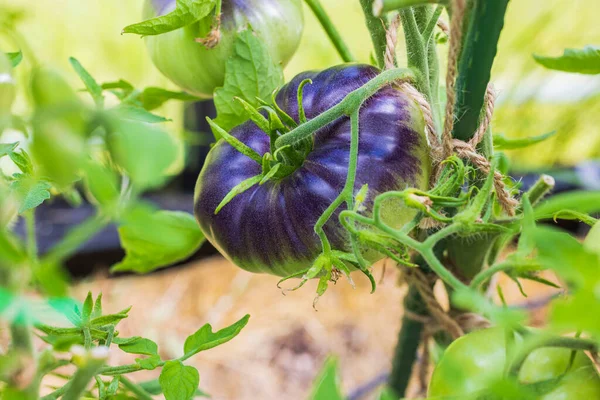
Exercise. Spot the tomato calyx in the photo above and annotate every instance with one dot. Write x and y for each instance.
(278, 162)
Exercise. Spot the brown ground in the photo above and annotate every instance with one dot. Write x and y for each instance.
(286, 341)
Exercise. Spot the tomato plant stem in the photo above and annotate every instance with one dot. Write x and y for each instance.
(475, 65)
(409, 338)
(350, 103)
(377, 28)
(384, 6)
(330, 29)
(534, 343)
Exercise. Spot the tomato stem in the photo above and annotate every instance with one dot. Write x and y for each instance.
(347, 106)
(407, 346)
(383, 6)
(540, 341)
(377, 28)
(475, 64)
(330, 29)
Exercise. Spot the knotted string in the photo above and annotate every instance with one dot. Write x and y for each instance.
(449, 145)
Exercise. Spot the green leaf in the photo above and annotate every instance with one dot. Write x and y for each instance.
(153, 97)
(327, 386)
(7, 148)
(205, 339)
(109, 319)
(157, 239)
(97, 311)
(150, 363)
(178, 382)
(579, 266)
(153, 387)
(503, 143)
(140, 346)
(137, 113)
(88, 307)
(22, 161)
(31, 192)
(144, 151)
(90, 83)
(579, 201)
(250, 74)
(59, 128)
(15, 58)
(583, 61)
(186, 12)
(102, 184)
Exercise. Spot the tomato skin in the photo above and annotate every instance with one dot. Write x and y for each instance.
(474, 361)
(199, 70)
(8, 89)
(270, 228)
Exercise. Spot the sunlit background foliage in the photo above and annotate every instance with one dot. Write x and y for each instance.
(532, 100)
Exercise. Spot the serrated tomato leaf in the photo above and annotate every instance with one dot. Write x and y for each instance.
(154, 239)
(205, 338)
(250, 73)
(185, 13)
(178, 381)
(31, 192)
(583, 61)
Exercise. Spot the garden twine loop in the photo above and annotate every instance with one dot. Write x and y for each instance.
(440, 150)
(443, 149)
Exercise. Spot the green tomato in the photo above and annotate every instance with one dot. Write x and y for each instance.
(8, 88)
(200, 70)
(476, 361)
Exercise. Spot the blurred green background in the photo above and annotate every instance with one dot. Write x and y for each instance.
(532, 100)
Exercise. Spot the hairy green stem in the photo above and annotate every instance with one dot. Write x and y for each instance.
(554, 341)
(540, 189)
(136, 389)
(475, 65)
(384, 6)
(434, 68)
(346, 193)
(330, 29)
(377, 28)
(486, 274)
(83, 376)
(32, 250)
(407, 346)
(346, 107)
(415, 51)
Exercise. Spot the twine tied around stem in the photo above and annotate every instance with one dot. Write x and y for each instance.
(442, 149)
